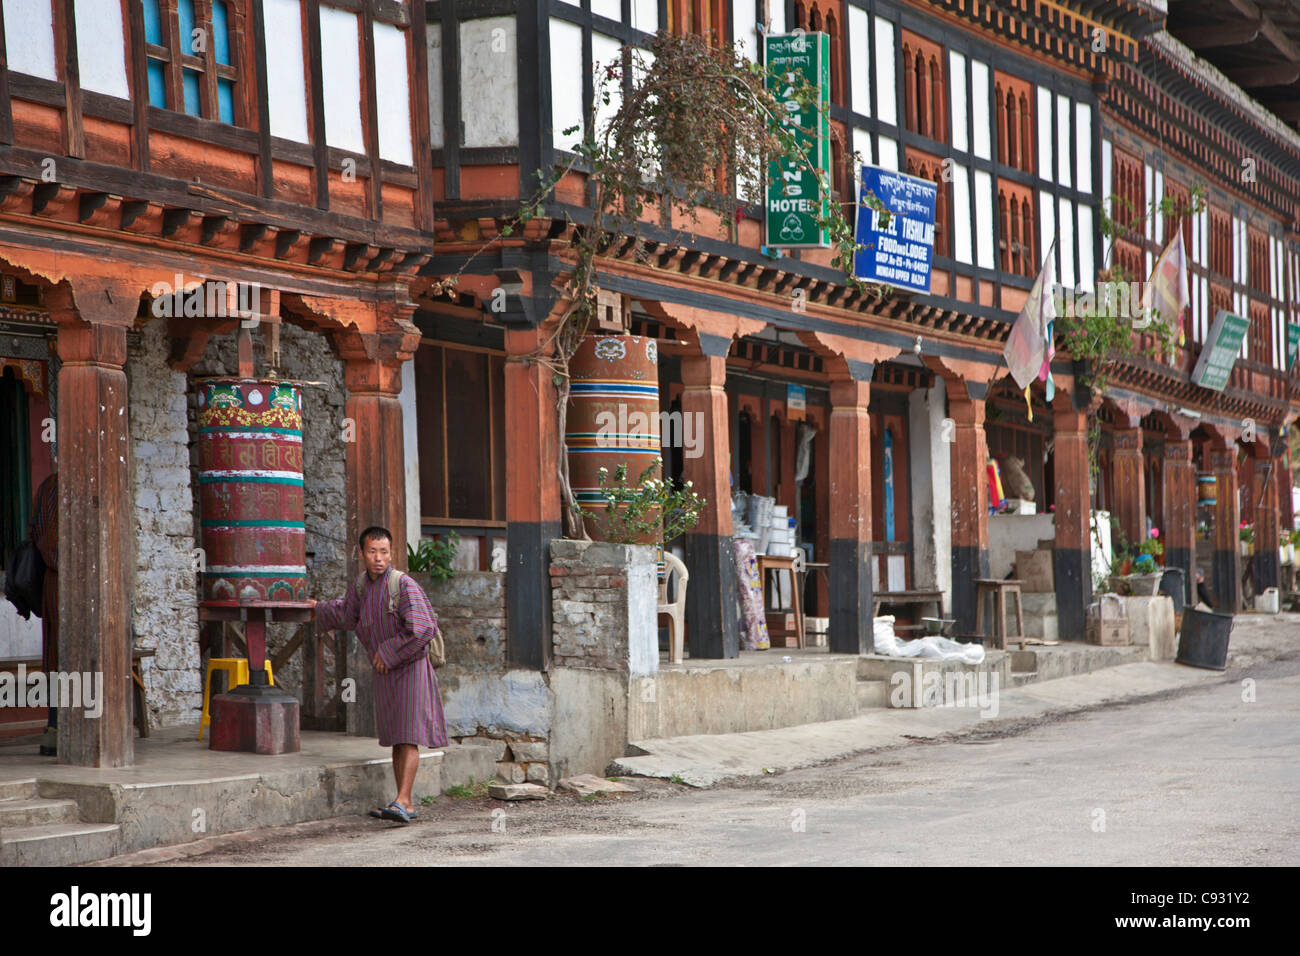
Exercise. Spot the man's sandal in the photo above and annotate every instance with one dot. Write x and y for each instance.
(378, 813)
(395, 811)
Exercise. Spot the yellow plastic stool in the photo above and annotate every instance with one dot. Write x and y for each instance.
(237, 669)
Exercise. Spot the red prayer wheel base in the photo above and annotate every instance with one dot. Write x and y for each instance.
(255, 723)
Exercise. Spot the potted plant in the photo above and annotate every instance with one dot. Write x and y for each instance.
(430, 563)
(1293, 542)
(1146, 575)
(1246, 533)
(650, 511)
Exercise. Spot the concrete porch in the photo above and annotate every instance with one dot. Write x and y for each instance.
(179, 790)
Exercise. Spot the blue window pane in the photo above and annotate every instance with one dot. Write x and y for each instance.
(185, 13)
(152, 25)
(226, 100)
(220, 33)
(157, 85)
(190, 79)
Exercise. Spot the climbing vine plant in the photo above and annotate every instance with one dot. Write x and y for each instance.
(689, 125)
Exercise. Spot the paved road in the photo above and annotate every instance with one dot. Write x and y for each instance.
(1199, 777)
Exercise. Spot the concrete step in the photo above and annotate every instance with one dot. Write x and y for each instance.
(17, 789)
(872, 693)
(1021, 678)
(34, 811)
(58, 844)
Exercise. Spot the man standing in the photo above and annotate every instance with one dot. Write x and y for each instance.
(408, 706)
(44, 532)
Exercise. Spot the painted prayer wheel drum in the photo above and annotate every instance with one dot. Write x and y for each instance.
(1206, 485)
(613, 416)
(251, 491)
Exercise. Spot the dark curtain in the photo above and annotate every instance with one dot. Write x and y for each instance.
(16, 471)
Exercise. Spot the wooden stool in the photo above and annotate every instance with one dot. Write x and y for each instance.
(1000, 589)
(793, 564)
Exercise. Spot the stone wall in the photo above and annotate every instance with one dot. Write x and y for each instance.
(603, 606)
(165, 616)
(305, 356)
(484, 700)
(606, 645)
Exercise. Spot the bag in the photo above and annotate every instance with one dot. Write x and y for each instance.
(437, 651)
(25, 580)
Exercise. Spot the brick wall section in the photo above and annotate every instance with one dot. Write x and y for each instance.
(589, 604)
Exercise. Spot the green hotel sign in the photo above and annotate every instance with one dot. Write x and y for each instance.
(1292, 344)
(1222, 346)
(795, 200)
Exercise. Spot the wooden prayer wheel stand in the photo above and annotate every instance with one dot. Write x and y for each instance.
(256, 717)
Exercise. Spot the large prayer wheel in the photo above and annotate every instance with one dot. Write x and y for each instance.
(251, 491)
(613, 415)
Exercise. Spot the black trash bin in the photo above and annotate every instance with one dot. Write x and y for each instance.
(1203, 641)
(1174, 584)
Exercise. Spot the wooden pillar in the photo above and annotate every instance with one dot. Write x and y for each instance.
(1226, 576)
(95, 516)
(711, 597)
(375, 475)
(970, 503)
(532, 497)
(1129, 483)
(1263, 499)
(1072, 557)
(850, 518)
(1178, 523)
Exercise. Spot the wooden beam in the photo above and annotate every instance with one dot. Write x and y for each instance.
(139, 87)
(370, 110)
(1254, 77)
(316, 92)
(1217, 35)
(265, 169)
(65, 24)
(1271, 30)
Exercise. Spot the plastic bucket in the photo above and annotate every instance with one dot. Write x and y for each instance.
(1204, 639)
(1174, 584)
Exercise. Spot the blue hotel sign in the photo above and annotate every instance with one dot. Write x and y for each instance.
(900, 252)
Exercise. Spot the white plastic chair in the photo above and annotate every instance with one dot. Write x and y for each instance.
(676, 611)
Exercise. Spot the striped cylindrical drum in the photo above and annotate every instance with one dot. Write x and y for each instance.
(1206, 489)
(251, 491)
(613, 415)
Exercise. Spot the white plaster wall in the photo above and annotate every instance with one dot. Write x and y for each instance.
(642, 619)
(18, 638)
(489, 82)
(931, 489)
(101, 50)
(29, 37)
(1011, 533)
(437, 135)
(411, 454)
(286, 80)
(392, 85)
